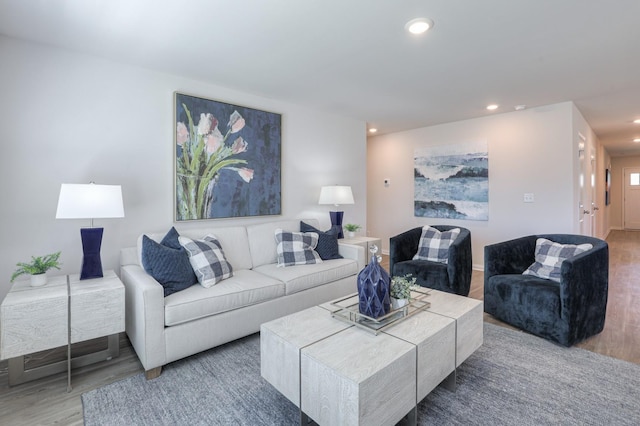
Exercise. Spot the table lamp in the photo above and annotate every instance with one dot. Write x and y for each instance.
(336, 195)
(90, 201)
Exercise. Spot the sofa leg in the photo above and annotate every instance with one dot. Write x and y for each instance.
(154, 373)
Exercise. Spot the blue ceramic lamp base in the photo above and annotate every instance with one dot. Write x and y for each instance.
(336, 222)
(91, 243)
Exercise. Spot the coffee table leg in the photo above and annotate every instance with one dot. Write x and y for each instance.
(306, 420)
(450, 382)
(411, 419)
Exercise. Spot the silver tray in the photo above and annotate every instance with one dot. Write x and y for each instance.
(346, 309)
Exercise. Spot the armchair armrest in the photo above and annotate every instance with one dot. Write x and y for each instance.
(459, 264)
(144, 315)
(509, 257)
(584, 284)
(403, 246)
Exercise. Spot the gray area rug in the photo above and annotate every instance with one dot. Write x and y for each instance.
(513, 379)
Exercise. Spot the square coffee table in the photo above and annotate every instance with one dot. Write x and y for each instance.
(336, 373)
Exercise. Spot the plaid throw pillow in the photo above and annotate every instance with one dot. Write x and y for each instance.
(207, 260)
(434, 245)
(296, 248)
(549, 258)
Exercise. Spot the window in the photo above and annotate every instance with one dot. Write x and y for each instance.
(634, 179)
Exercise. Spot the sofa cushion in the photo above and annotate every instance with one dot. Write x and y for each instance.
(261, 242)
(549, 257)
(327, 247)
(434, 245)
(302, 277)
(245, 288)
(207, 259)
(296, 248)
(168, 264)
(233, 239)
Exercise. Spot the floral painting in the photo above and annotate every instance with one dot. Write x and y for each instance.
(227, 161)
(452, 181)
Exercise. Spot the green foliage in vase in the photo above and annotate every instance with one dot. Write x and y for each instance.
(351, 227)
(38, 265)
(401, 286)
(204, 152)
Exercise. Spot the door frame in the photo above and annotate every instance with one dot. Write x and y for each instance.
(624, 194)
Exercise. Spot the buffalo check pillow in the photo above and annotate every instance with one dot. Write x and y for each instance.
(296, 248)
(434, 245)
(549, 258)
(207, 260)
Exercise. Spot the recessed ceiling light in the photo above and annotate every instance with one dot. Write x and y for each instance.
(492, 107)
(373, 130)
(519, 107)
(637, 121)
(636, 140)
(418, 25)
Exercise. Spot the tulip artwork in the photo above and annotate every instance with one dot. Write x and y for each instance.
(227, 160)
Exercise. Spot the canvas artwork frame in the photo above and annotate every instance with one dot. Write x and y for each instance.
(452, 181)
(227, 160)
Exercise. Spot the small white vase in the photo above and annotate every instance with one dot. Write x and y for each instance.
(351, 234)
(398, 303)
(38, 280)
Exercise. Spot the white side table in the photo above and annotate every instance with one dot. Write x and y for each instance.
(64, 311)
(366, 243)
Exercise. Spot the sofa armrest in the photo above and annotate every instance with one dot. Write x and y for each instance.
(350, 251)
(144, 315)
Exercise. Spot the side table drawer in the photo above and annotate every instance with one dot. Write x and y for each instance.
(97, 307)
(33, 319)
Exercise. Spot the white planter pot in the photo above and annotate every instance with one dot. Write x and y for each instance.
(38, 280)
(351, 234)
(398, 303)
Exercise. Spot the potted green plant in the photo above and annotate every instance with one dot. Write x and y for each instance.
(351, 229)
(400, 291)
(37, 268)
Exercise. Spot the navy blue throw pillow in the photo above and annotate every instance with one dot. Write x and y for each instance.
(327, 246)
(171, 239)
(169, 266)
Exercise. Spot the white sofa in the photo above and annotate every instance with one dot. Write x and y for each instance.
(165, 329)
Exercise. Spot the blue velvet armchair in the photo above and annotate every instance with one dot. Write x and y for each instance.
(452, 277)
(565, 312)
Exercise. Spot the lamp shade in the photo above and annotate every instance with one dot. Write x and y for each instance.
(336, 195)
(89, 201)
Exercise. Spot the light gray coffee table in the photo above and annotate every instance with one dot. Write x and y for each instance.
(337, 373)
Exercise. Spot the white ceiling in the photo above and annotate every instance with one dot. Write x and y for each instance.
(354, 57)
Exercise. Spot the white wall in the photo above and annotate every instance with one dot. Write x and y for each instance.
(73, 118)
(529, 151)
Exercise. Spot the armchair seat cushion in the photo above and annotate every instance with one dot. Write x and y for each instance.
(525, 299)
(427, 273)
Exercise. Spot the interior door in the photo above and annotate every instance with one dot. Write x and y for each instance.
(594, 206)
(584, 203)
(631, 198)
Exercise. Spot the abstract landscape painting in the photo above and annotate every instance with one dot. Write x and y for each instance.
(452, 181)
(227, 160)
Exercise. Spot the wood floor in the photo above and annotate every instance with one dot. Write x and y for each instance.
(46, 401)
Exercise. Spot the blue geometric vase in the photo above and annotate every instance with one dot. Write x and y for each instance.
(373, 288)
